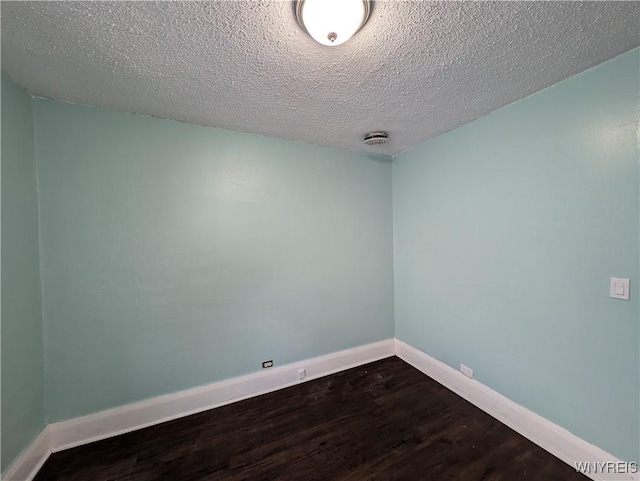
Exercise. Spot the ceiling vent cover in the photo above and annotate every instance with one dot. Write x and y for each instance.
(376, 138)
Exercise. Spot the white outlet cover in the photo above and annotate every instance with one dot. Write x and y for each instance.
(466, 370)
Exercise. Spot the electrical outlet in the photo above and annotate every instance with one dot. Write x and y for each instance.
(266, 364)
(466, 370)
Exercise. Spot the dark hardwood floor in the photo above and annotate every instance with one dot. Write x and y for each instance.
(380, 422)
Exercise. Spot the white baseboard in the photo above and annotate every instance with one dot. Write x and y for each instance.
(558, 441)
(105, 424)
(112, 422)
(27, 465)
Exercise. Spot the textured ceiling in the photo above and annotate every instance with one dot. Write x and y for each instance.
(416, 70)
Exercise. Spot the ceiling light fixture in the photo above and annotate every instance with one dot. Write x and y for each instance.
(332, 22)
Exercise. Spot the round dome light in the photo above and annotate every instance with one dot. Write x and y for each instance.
(332, 22)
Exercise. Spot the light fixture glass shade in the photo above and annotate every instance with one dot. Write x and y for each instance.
(332, 22)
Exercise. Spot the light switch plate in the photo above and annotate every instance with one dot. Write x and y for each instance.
(619, 288)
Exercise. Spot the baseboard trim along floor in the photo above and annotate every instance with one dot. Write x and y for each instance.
(112, 422)
(27, 465)
(549, 436)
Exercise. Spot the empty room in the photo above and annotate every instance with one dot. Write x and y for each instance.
(320, 240)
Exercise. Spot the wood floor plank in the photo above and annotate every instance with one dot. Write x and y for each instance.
(385, 421)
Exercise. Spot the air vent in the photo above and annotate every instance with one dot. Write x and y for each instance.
(376, 138)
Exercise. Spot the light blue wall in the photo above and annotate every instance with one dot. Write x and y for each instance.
(176, 255)
(506, 232)
(22, 345)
